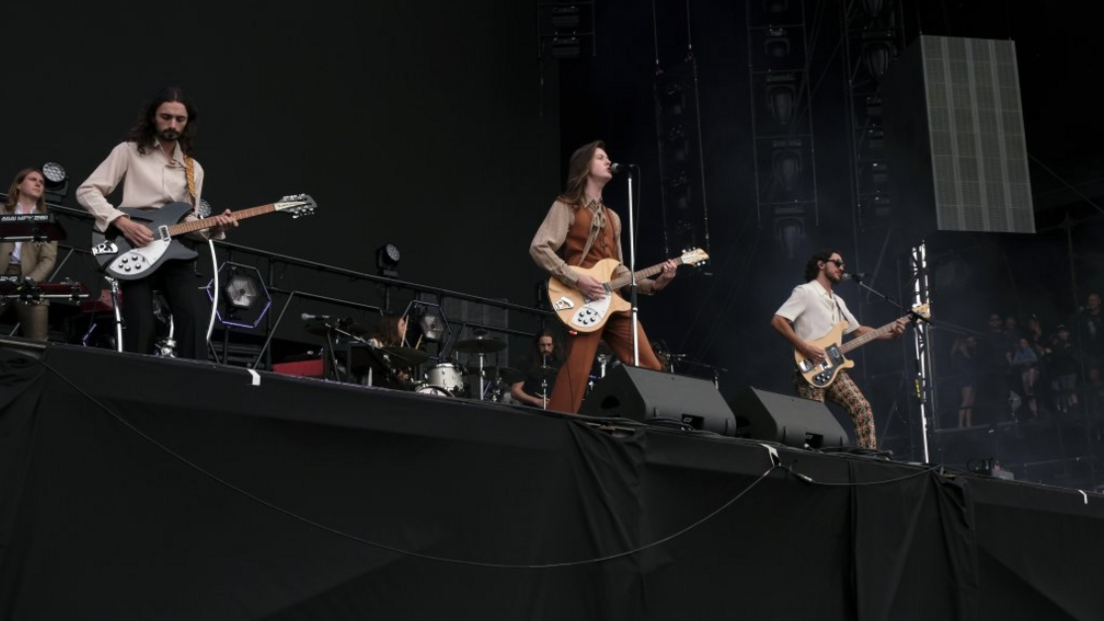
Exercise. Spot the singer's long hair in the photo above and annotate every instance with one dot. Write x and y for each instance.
(144, 131)
(811, 267)
(578, 167)
(13, 192)
(557, 357)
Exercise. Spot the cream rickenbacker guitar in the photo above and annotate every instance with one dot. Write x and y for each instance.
(821, 375)
(119, 259)
(583, 314)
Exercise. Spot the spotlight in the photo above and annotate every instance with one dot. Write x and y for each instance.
(387, 260)
(57, 182)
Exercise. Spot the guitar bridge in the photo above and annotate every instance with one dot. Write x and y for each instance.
(563, 303)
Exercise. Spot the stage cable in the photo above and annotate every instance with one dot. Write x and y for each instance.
(427, 557)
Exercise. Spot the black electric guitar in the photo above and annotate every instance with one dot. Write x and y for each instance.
(822, 374)
(120, 260)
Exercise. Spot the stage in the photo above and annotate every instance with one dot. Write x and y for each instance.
(145, 488)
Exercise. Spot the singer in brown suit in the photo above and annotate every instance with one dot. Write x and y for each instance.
(586, 231)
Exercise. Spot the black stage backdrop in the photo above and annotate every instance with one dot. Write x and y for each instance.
(433, 127)
(206, 492)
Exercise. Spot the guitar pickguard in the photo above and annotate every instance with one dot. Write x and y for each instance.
(827, 370)
(591, 313)
(136, 261)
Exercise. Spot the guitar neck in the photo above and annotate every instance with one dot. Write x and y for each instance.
(617, 283)
(192, 226)
(859, 341)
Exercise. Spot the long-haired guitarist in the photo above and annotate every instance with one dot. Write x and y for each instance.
(584, 231)
(156, 167)
(813, 311)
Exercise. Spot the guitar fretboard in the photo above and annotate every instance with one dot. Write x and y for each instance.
(859, 341)
(192, 226)
(625, 280)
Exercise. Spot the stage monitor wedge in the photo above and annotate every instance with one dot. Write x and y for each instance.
(788, 420)
(954, 138)
(654, 396)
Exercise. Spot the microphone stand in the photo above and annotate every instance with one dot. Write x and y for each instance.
(632, 272)
(908, 311)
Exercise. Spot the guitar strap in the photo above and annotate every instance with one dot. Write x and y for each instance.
(189, 174)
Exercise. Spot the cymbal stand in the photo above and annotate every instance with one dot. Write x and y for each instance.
(481, 357)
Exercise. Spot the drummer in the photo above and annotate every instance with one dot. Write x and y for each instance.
(391, 332)
(541, 367)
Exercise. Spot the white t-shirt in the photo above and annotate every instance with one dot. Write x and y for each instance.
(815, 311)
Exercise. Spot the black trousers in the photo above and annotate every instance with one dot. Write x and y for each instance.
(178, 283)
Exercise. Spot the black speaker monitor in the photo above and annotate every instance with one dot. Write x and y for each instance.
(786, 419)
(650, 396)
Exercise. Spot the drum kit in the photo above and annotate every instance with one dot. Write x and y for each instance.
(454, 379)
(448, 378)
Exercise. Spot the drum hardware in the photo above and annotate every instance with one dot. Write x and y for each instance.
(409, 355)
(481, 345)
(501, 378)
(426, 389)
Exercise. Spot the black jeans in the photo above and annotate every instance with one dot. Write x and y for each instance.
(178, 283)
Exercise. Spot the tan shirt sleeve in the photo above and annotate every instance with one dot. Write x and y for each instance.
(550, 238)
(93, 193)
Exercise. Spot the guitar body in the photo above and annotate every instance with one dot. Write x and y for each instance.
(821, 375)
(120, 260)
(580, 313)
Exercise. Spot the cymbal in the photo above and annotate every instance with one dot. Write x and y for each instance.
(319, 328)
(408, 355)
(480, 346)
(509, 375)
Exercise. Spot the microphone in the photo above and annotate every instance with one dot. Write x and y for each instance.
(855, 277)
(312, 317)
(620, 168)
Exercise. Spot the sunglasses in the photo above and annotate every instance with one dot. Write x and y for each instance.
(838, 262)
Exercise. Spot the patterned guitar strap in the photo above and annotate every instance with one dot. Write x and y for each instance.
(189, 173)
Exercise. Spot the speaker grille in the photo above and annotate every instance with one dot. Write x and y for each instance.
(978, 146)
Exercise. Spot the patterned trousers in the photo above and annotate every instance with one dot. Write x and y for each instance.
(847, 395)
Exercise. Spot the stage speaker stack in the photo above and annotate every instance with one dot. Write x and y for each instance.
(656, 397)
(786, 419)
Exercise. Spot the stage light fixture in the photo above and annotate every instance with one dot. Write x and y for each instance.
(777, 44)
(789, 228)
(57, 182)
(787, 167)
(387, 260)
(245, 300)
(781, 98)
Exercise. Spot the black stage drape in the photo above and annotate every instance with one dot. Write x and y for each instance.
(143, 488)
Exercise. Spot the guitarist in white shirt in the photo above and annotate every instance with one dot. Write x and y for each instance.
(155, 167)
(581, 228)
(811, 312)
